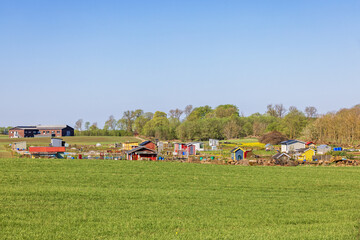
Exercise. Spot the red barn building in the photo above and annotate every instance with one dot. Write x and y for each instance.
(45, 131)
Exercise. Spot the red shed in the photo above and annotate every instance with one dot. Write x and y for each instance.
(141, 153)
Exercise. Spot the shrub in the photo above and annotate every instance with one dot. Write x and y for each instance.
(273, 138)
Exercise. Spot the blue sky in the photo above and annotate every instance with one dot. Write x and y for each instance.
(65, 60)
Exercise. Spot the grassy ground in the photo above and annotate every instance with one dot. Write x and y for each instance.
(264, 152)
(99, 199)
(80, 140)
(242, 140)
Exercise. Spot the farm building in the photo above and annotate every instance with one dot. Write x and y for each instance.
(141, 153)
(129, 145)
(41, 130)
(56, 130)
(148, 144)
(57, 152)
(305, 154)
(23, 131)
(291, 146)
(239, 154)
(322, 149)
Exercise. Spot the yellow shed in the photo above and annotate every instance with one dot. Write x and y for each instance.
(307, 155)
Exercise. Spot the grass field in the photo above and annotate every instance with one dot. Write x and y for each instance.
(81, 140)
(241, 140)
(103, 199)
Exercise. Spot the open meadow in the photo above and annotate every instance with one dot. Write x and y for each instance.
(106, 199)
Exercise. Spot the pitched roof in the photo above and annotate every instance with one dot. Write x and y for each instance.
(236, 149)
(144, 143)
(302, 150)
(323, 146)
(141, 148)
(52, 126)
(24, 127)
(289, 142)
(278, 155)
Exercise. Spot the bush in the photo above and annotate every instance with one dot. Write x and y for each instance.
(273, 138)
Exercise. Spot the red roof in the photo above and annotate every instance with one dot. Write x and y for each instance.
(308, 143)
(46, 149)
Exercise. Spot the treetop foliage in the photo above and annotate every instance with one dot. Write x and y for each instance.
(225, 122)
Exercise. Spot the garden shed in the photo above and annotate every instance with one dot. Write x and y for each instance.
(239, 154)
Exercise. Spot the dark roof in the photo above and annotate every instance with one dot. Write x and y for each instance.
(50, 127)
(24, 127)
(302, 150)
(289, 142)
(144, 143)
(141, 148)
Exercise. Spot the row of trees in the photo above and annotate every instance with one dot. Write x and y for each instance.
(337, 127)
(226, 122)
(202, 123)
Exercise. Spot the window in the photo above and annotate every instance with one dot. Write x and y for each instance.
(47, 131)
(52, 131)
(58, 131)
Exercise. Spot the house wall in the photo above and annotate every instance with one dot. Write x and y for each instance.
(192, 150)
(16, 133)
(129, 146)
(323, 150)
(292, 147)
(68, 131)
(51, 132)
(19, 145)
(238, 155)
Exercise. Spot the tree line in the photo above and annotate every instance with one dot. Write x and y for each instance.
(204, 122)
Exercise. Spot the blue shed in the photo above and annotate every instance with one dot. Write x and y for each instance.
(238, 154)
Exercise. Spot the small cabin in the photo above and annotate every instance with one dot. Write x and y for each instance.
(198, 145)
(305, 154)
(292, 146)
(57, 142)
(239, 154)
(323, 149)
(141, 153)
(20, 146)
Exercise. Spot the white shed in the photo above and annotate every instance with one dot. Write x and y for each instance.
(292, 145)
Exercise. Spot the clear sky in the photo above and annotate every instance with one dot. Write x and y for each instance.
(65, 60)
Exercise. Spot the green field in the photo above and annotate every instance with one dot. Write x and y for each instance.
(80, 140)
(104, 199)
(241, 140)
